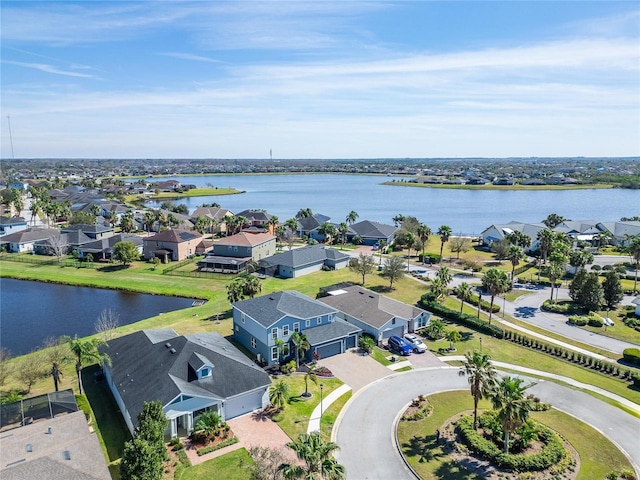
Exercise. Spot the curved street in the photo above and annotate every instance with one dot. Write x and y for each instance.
(365, 429)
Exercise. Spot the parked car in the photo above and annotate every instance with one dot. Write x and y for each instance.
(417, 344)
(399, 345)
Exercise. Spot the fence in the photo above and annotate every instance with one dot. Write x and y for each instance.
(40, 260)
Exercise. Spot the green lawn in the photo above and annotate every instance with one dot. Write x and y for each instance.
(294, 420)
(619, 330)
(380, 355)
(417, 441)
(330, 415)
(232, 466)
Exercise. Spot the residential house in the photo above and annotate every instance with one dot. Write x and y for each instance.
(378, 315)
(167, 186)
(308, 226)
(57, 445)
(218, 215)
(103, 249)
(259, 322)
(372, 232)
(93, 232)
(497, 232)
(25, 240)
(301, 261)
(173, 245)
(256, 218)
(621, 232)
(636, 302)
(188, 374)
(11, 225)
(232, 254)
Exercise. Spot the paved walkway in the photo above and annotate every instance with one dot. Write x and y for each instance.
(316, 415)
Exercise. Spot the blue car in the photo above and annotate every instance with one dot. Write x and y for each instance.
(400, 346)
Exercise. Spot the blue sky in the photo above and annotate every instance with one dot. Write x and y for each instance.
(347, 79)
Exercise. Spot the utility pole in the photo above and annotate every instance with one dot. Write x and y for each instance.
(10, 137)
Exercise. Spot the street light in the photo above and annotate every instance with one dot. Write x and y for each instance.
(479, 299)
(504, 304)
(480, 344)
(321, 386)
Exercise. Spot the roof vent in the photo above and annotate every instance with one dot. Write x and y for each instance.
(168, 345)
(172, 350)
(49, 430)
(29, 447)
(67, 455)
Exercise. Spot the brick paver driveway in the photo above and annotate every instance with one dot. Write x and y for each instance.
(355, 369)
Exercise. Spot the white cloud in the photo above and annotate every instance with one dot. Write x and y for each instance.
(43, 67)
(189, 56)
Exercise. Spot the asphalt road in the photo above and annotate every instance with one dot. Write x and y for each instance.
(366, 428)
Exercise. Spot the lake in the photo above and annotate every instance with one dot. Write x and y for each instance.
(465, 211)
(32, 311)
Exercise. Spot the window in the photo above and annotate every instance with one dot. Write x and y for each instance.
(285, 350)
(296, 327)
(274, 353)
(319, 320)
(422, 322)
(393, 321)
(253, 342)
(242, 318)
(204, 372)
(285, 331)
(274, 333)
(307, 323)
(238, 328)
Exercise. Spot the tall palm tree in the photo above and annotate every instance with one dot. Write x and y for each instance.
(515, 254)
(398, 219)
(463, 292)
(301, 343)
(508, 397)
(279, 394)
(454, 337)
(556, 268)
(423, 232)
(633, 250)
(481, 376)
(352, 217)
(273, 224)
(409, 239)
(149, 219)
(304, 213)
(86, 351)
(444, 274)
(310, 375)
(329, 231)
(545, 239)
(444, 232)
(438, 288)
(317, 459)
(343, 229)
(495, 282)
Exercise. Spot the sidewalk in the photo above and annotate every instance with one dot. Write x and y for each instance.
(314, 421)
(574, 383)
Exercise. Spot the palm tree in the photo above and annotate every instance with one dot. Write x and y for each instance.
(273, 224)
(423, 232)
(495, 282)
(86, 351)
(515, 254)
(444, 274)
(444, 232)
(208, 422)
(352, 217)
(463, 292)
(398, 219)
(508, 397)
(149, 219)
(438, 288)
(602, 239)
(310, 375)
(553, 220)
(279, 394)
(113, 218)
(329, 231)
(317, 459)
(633, 250)
(304, 213)
(453, 336)
(556, 268)
(481, 376)
(408, 238)
(343, 229)
(302, 345)
(545, 239)
(579, 259)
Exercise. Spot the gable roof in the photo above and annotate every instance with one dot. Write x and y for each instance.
(309, 255)
(268, 309)
(86, 228)
(330, 331)
(255, 215)
(312, 222)
(369, 229)
(211, 212)
(12, 221)
(244, 239)
(155, 365)
(370, 307)
(175, 235)
(30, 235)
(106, 244)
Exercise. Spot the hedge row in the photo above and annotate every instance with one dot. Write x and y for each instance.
(217, 446)
(553, 452)
(632, 355)
(464, 319)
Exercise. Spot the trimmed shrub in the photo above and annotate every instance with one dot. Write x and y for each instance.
(217, 446)
(578, 320)
(631, 355)
(595, 322)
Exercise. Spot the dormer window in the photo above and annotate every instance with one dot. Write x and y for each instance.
(205, 372)
(200, 365)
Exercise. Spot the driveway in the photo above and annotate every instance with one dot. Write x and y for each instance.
(355, 369)
(365, 429)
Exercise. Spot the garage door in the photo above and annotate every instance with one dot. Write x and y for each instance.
(399, 331)
(330, 349)
(351, 341)
(243, 404)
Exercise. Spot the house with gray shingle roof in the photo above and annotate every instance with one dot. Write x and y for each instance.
(26, 240)
(372, 232)
(176, 244)
(103, 248)
(12, 225)
(375, 314)
(187, 374)
(301, 261)
(259, 322)
(232, 254)
(497, 232)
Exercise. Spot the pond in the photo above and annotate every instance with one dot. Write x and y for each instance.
(30, 311)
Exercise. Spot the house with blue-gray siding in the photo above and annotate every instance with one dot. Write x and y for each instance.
(258, 324)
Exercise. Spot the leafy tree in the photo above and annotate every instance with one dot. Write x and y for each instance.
(586, 290)
(362, 265)
(393, 269)
(316, 457)
(501, 249)
(508, 397)
(459, 245)
(612, 289)
(243, 286)
(5, 367)
(86, 350)
(495, 282)
(444, 232)
(453, 336)
(481, 376)
(310, 375)
(83, 218)
(265, 463)
(30, 369)
(125, 252)
(279, 394)
(553, 220)
(464, 293)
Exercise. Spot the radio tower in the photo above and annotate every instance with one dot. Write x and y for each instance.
(10, 137)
